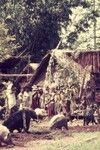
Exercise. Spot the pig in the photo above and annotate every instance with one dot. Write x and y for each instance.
(41, 113)
(89, 116)
(14, 109)
(58, 122)
(15, 121)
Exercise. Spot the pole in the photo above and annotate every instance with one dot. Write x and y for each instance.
(94, 28)
(28, 67)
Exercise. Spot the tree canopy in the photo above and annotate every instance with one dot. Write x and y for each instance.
(39, 25)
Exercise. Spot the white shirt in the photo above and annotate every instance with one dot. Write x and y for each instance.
(4, 132)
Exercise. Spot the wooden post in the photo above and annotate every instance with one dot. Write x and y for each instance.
(81, 90)
(28, 67)
(94, 30)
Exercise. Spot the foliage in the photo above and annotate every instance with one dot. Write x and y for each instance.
(64, 73)
(84, 29)
(39, 25)
(7, 42)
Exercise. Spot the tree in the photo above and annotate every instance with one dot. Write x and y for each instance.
(39, 25)
(7, 42)
(80, 34)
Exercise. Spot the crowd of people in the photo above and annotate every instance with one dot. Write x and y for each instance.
(60, 105)
(53, 100)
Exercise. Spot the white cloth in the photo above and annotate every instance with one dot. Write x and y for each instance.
(10, 95)
(11, 100)
(40, 112)
(4, 132)
(9, 85)
(21, 106)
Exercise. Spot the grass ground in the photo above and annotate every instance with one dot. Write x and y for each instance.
(76, 138)
(78, 141)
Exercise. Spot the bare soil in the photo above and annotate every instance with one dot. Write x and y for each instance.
(40, 132)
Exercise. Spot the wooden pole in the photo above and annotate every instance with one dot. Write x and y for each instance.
(81, 90)
(16, 75)
(28, 67)
(94, 8)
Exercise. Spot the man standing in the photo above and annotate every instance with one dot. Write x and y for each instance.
(11, 99)
(24, 97)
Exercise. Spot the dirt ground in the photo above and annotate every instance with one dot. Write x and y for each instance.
(39, 132)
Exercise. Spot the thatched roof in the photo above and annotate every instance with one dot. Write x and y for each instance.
(39, 74)
(85, 58)
(29, 69)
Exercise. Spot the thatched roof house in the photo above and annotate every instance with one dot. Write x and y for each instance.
(54, 70)
(40, 72)
(90, 59)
